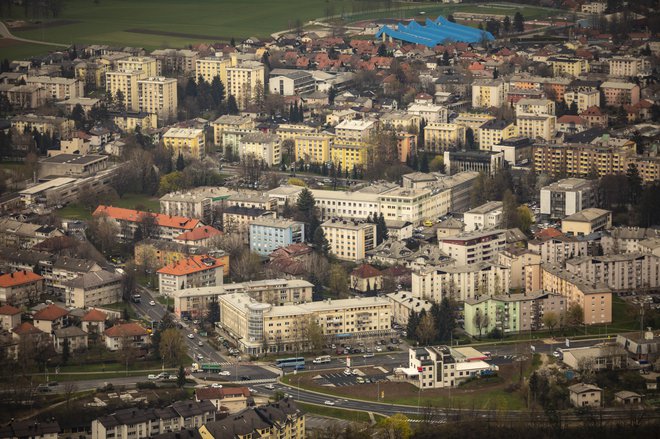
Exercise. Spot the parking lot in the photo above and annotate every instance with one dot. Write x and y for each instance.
(340, 379)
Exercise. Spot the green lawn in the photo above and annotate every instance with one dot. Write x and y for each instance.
(173, 23)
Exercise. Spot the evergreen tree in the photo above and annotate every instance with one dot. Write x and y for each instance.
(232, 106)
(232, 42)
(180, 163)
(634, 182)
(451, 18)
(420, 135)
(424, 164)
(445, 58)
(213, 314)
(506, 24)
(469, 138)
(496, 74)
(66, 351)
(181, 377)
(382, 50)
(217, 91)
(518, 22)
(320, 242)
(332, 94)
(573, 109)
(381, 229)
(413, 323)
(78, 116)
(191, 88)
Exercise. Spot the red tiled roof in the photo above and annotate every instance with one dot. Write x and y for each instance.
(192, 264)
(50, 313)
(569, 118)
(26, 328)
(134, 216)
(18, 278)
(198, 234)
(8, 310)
(365, 271)
(125, 330)
(95, 316)
(592, 111)
(548, 233)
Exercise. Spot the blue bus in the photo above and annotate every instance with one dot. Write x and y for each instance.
(296, 363)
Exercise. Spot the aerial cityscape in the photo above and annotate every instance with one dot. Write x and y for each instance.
(329, 219)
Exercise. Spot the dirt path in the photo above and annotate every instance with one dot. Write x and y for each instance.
(4, 32)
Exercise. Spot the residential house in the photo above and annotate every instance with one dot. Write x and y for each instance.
(585, 395)
(366, 279)
(73, 335)
(20, 288)
(50, 318)
(116, 336)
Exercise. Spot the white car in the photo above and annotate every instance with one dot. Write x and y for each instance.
(253, 391)
(152, 303)
(329, 403)
(151, 376)
(191, 336)
(348, 372)
(216, 386)
(379, 349)
(199, 343)
(224, 373)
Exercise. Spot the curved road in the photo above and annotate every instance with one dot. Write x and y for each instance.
(5, 33)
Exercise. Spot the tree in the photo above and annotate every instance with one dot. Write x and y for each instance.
(305, 211)
(172, 347)
(469, 138)
(413, 323)
(481, 321)
(451, 18)
(217, 91)
(332, 94)
(506, 24)
(634, 182)
(382, 50)
(320, 242)
(66, 351)
(181, 377)
(445, 321)
(396, 427)
(102, 232)
(313, 334)
(78, 116)
(149, 225)
(180, 163)
(424, 163)
(550, 320)
(338, 281)
(232, 106)
(381, 229)
(574, 315)
(518, 22)
(426, 329)
(213, 314)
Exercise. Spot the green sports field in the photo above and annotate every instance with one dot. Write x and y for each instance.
(174, 23)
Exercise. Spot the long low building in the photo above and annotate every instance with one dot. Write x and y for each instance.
(433, 33)
(259, 327)
(194, 302)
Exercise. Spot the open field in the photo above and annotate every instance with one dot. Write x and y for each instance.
(170, 23)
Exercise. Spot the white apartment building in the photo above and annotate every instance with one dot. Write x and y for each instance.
(625, 66)
(436, 367)
(473, 247)
(196, 271)
(583, 98)
(519, 261)
(537, 107)
(404, 303)
(58, 88)
(533, 126)
(350, 240)
(355, 130)
(194, 203)
(431, 113)
(566, 197)
(486, 216)
(622, 272)
(487, 93)
(460, 282)
(193, 303)
(259, 327)
(558, 249)
(266, 147)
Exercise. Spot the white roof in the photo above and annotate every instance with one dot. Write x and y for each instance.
(472, 366)
(56, 182)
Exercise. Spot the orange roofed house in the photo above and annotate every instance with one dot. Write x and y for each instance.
(195, 271)
(198, 237)
(167, 226)
(10, 317)
(20, 288)
(50, 318)
(132, 333)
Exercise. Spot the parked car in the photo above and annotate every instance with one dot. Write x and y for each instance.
(270, 386)
(152, 376)
(216, 386)
(245, 378)
(152, 303)
(191, 336)
(224, 373)
(368, 355)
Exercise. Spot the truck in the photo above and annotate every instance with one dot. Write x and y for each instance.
(322, 359)
(136, 298)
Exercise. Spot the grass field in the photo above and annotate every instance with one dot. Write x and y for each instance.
(171, 23)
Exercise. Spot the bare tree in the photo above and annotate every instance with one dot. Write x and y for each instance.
(426, 329)
(550, 320)
(481, 321)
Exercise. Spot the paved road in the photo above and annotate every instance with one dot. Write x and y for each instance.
(5, 33)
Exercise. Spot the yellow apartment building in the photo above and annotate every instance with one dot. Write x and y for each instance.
(145, 64)
(158, 95)
(209, 68)
(350, 240)
(289, 131)
(586, 222)
(494, 131)
(314, 148)
(473, 121)
(186, 141)
(442, 136)
(595, 299)
(349, 154)
(126, 82)
(533, 126)
(566, 66)
(487, 93)
(229, 122)
(242, 80)
(129, 121)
